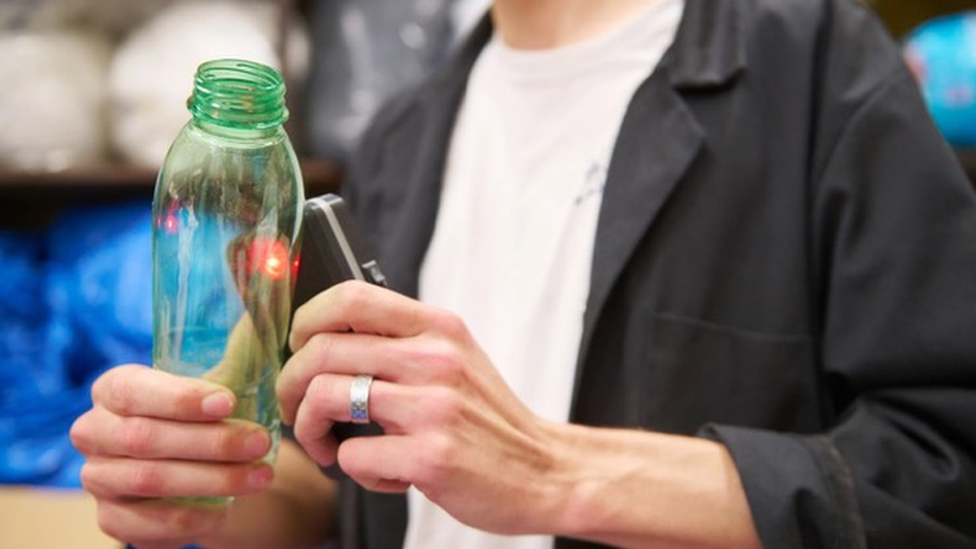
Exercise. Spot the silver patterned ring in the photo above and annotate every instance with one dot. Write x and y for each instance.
(359, 398)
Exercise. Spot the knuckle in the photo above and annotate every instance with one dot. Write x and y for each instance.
(137, 437)
(307, 434)
(283, 392)
(234, 479)
(145, 479)
(90, 480)
(118, 395)
(433, 466)
(188, 394)
(115, 520)
(80, 434)
(109, 525)
(445, 325)
(99, 387)
(449, 324)
(446, 406)
(322, 394)
(314, 402)
(444, 361)
(441, 450)
(229, 442)
(303, 435)
(224, 445)
(320, 346)
(371, 484)
(110, 518)
(294, 383)
(353, 296)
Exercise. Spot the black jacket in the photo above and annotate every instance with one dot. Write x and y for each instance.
(785, 261)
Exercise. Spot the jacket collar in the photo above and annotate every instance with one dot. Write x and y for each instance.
(709, 48)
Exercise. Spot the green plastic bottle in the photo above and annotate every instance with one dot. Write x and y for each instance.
(226, 215)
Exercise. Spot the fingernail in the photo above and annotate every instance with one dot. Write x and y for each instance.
(218, 405)
(256, 444)
(260, 477)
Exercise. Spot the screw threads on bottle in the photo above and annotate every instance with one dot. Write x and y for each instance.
(238, 94)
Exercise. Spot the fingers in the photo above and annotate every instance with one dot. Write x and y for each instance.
(140, 391)
(122, 478)
(158, 524)
(412, 361)
(144, 413)
(100, 432)
(327, 402)
(349, 354)
(375, 462)
(151, 435)
(357, 307)
(317, 413)
(358, 328)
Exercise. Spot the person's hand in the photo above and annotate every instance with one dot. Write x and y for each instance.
(452, 428)
(152, 435)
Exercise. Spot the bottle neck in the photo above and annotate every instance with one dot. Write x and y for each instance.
(238, 99)
(236, 134)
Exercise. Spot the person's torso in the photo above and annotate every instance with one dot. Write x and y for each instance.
(512, 248)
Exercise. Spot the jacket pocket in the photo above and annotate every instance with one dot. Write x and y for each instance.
(697, 373)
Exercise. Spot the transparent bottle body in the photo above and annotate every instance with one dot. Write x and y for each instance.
(226, 215)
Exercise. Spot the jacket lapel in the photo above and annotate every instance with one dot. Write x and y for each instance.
(657, 142)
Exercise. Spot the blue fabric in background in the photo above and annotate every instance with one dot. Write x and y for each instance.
(75, 300)
(942, 54)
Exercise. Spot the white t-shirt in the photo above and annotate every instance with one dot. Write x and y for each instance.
(513, 243)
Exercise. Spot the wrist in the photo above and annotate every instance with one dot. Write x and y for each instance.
(633, 488)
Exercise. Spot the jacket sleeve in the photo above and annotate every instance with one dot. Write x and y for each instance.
(893, 236)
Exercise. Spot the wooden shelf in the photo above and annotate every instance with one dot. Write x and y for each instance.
(110, 181)
(29, 200)
(98, 182)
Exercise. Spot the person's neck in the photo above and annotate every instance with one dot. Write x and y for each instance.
(542, 24)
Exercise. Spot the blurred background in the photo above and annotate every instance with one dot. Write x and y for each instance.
(92, 92)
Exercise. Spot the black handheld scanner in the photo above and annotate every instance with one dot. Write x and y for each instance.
(333, 251)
